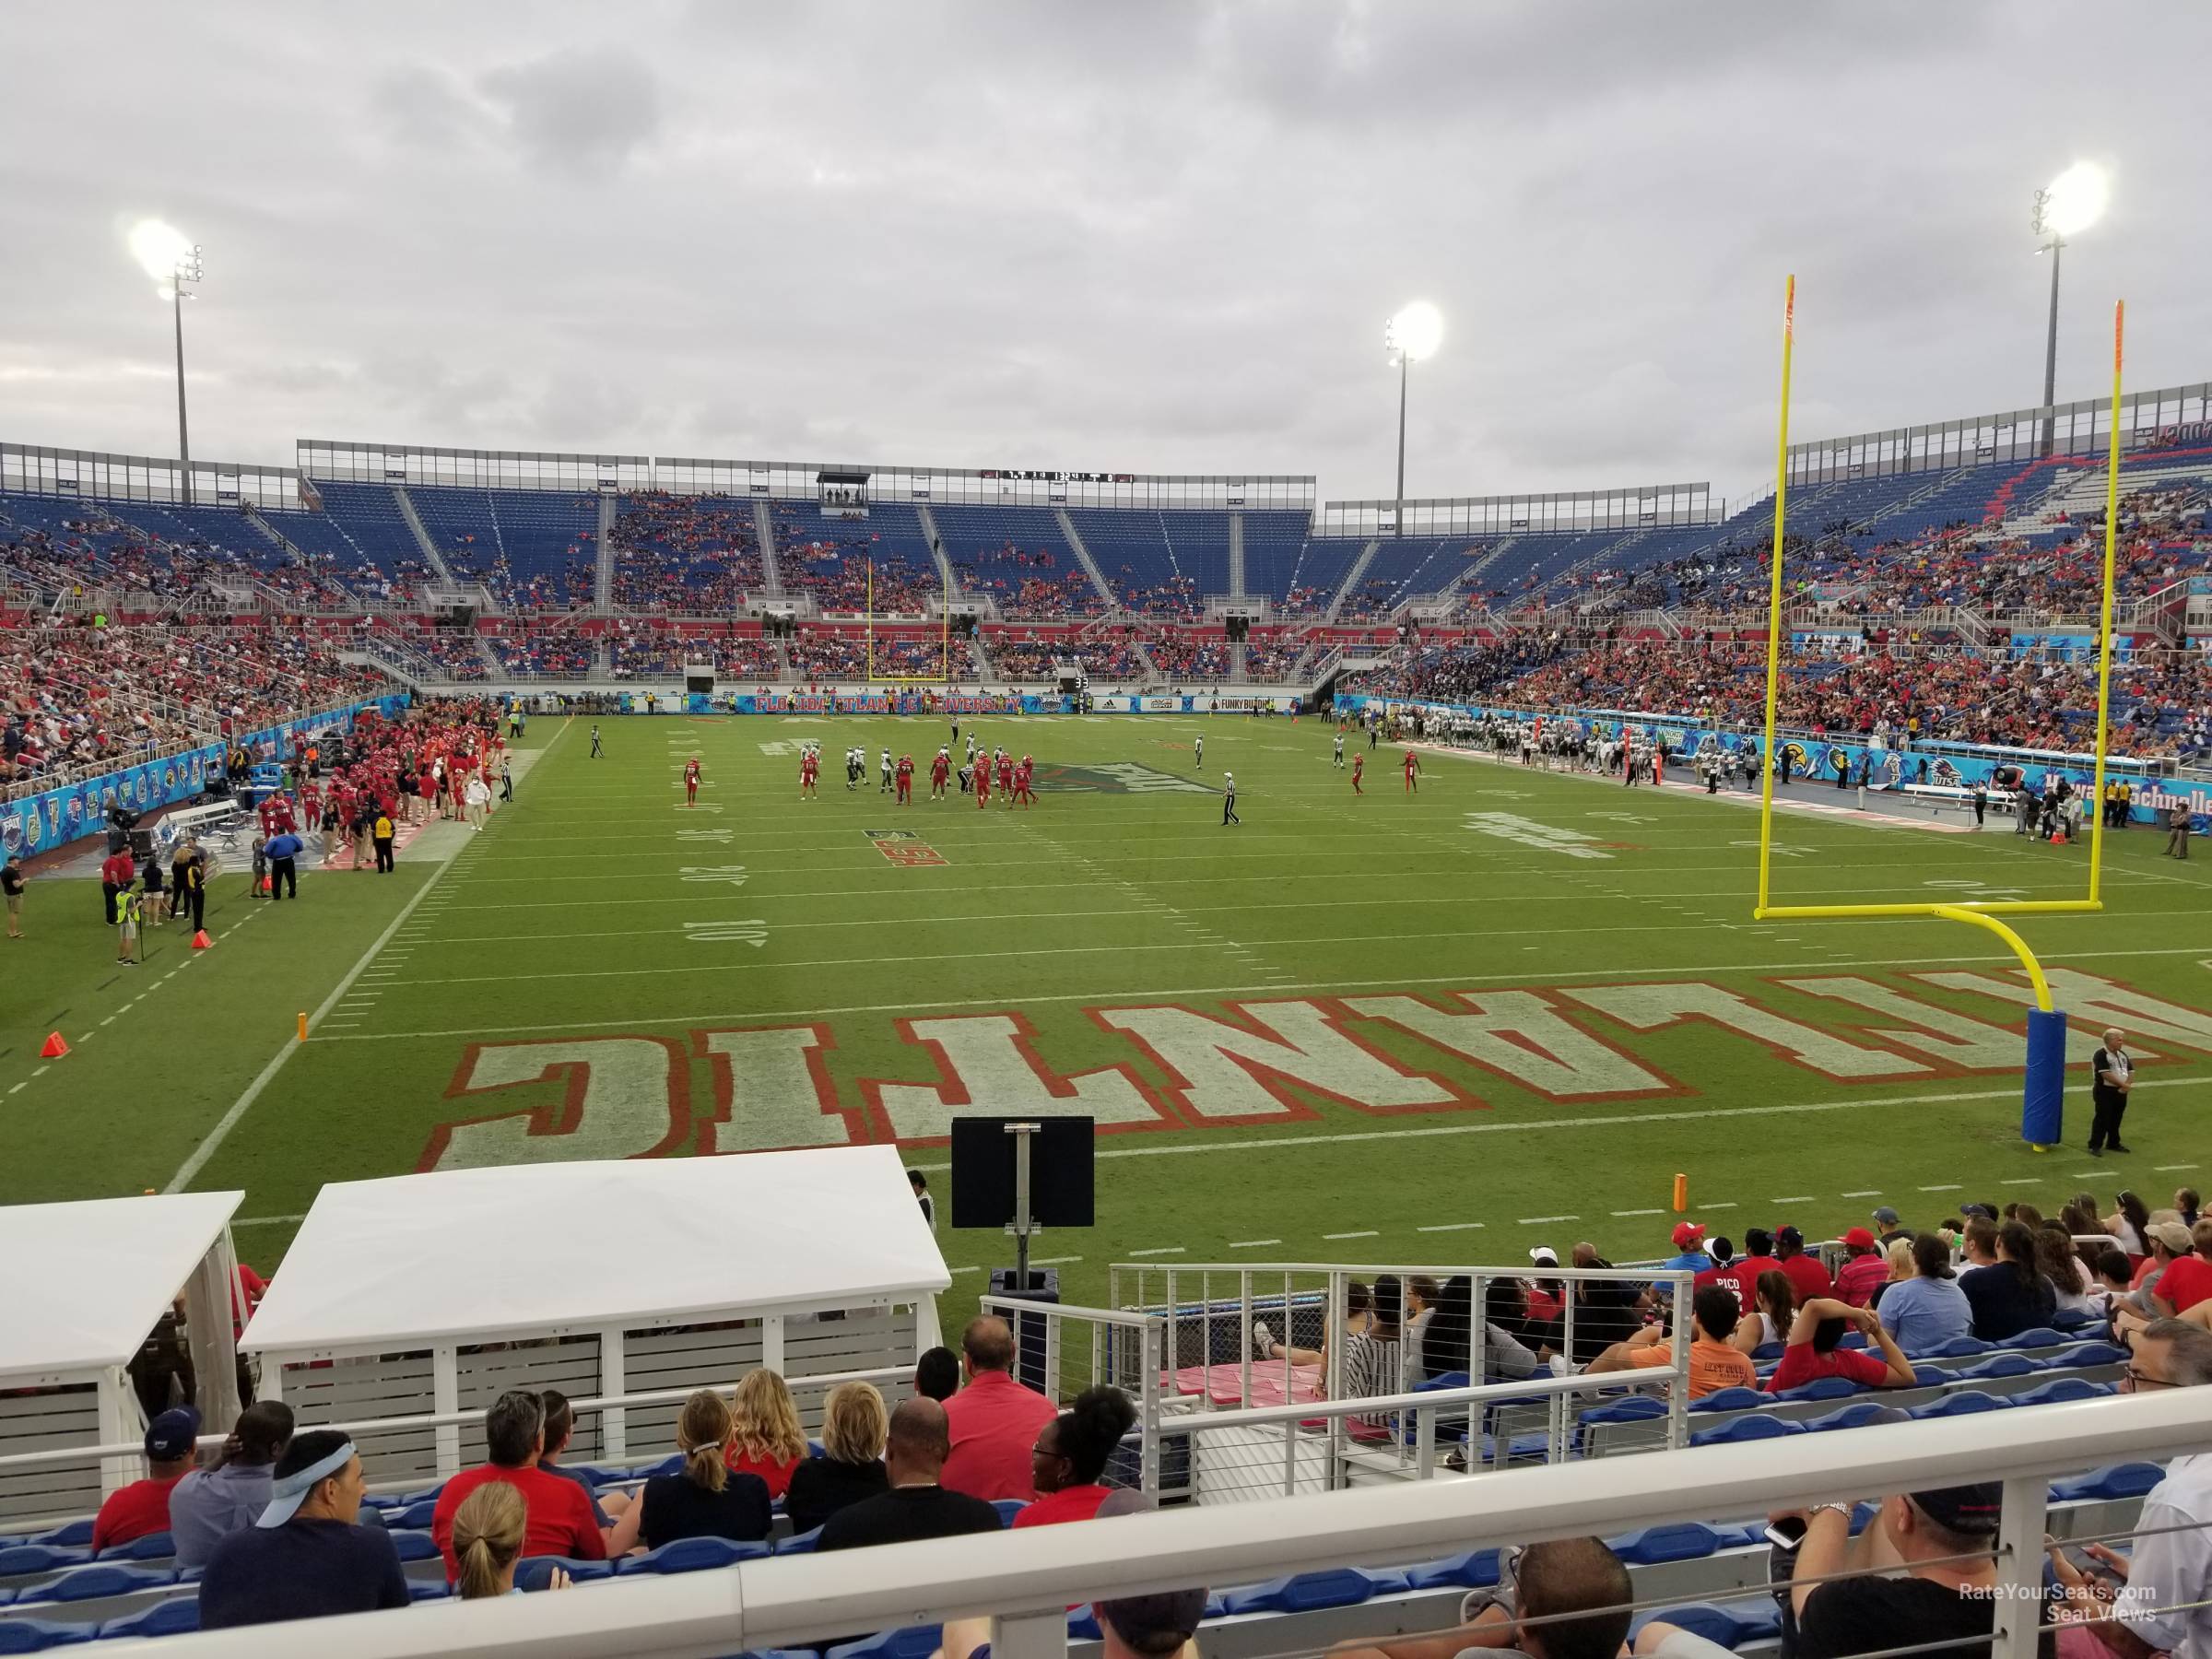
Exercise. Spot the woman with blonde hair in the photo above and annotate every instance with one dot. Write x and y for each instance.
(765, 1436)
(488, 1542)
(1901, 1267)
(705, 1499)
(851, 1466)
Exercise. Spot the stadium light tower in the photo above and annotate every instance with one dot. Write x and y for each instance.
(2070, 204)
(1411, 336)
(172, 263)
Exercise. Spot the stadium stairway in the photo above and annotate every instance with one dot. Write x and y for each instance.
(602, 556)
(772, 572)
(1352, 578)
(1236, 568)
(408, 512)
(1098, 577)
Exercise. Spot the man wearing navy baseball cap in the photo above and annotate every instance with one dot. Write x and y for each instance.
(141, 1509)
(306, 1556)
(1919, 1536)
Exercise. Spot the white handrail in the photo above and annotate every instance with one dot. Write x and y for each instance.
(794, 1600)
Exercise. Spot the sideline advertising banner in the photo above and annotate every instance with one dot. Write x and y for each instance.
(55, 817)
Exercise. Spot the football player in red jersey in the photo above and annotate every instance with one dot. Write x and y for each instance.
(982, 782)
(810, 767)
(691, 781)
(1022, 792)
(1005, 777)
(1359, 765)
(940, 769)
(1413, 771)
(906, 780)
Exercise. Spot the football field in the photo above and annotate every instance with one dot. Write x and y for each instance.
(1437, 1027)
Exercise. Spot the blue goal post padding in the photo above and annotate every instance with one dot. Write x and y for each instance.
(2044, 1096)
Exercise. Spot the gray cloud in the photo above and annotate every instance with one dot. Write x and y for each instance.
(1158, 235)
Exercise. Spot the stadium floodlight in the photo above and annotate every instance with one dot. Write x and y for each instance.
(174, 262)
(2068, 206)
(1409, 337)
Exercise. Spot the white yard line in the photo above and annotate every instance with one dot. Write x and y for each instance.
(1673, 970)
(268, 1074)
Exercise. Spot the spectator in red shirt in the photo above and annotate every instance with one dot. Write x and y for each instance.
(1808, 1277)
(1812, 1351)
(993, 1420)
(116, 873)
(1744, 1272)
(1069, 1459)
(560, 1515)
(2189, 1280)
(1866, 1269)
(141, 1509)
(765, 1437)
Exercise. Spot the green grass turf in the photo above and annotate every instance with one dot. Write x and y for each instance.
(565, 922)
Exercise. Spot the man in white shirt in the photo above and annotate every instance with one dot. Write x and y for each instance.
(2165, 1600)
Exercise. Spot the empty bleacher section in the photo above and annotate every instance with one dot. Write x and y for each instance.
(535, 550)
(1016, 558)
(1160, 563)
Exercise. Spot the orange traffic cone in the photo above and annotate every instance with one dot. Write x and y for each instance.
(200, 941)
(55, 1048)
(264, 884)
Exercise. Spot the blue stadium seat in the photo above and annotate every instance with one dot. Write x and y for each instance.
(414, 1517)
(1308, 1592)
(1733, 1398)
(2001, 1365)
(800, 1543)
(2063, 1390)
(415, 1545)
(1769, 1351)
(694, 1555)
(1957, 1348)
(154, 1546)
(1676, 1541)
(1822, 1388)
(2086, 1354)
(1008, 1509)
(2041, 1338)
(102, 1578)
(915, 1641)
(1966, 1403)
(1739, 1430)
(19, 1559)
(2120, 1480)
(1731, 1624)
(1856, 1415)
(1477, 1570)
(172, 1617)
(535, 1572)
(71, 1535)
(422, 1590)
(1635, 1408)
(36, 1635)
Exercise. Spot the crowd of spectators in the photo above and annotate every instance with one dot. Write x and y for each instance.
(559, 651)
(452, 650)
(1176, 598)
(83, 698)
(1183, 656)
(1029, 584)
(1272, 659)
(684, 554)
(2161, 700)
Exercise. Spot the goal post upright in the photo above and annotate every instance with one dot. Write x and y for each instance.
(2045, 1072)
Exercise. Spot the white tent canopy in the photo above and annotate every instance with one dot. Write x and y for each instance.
(468, 1255)
(87, 1280)
(85, 1285)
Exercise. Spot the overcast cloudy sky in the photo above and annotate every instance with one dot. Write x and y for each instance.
(1127, 234)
